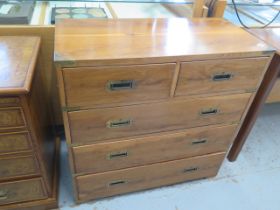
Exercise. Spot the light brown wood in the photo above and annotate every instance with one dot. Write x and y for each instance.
(19, 191)
(151, 149)
(152, 118)
(11, 117)
(15, 142)
(9, 101)
(133, 41)
(198, 8)
(235, 75)
(117, 85)
(274, 95)
(18, 166)
(133, 179)
(219, 9)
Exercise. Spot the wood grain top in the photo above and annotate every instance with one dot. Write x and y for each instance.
(152, 40)
(18, 57)
(269, 35)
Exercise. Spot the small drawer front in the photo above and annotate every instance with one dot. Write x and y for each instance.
(9, 101)
(95, 86)
(112, 123)
(141, 151)
(11, 117)
(20, 191)
(18, 166)
(111, 183)
(204, 77)
(14, 142)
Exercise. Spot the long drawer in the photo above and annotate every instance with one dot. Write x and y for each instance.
(11, 117)
(151, 149)
(18, 166)
(20, 191)
(111, 123)
(95, 86)
(111, 183)
(217, 76)
(14, 142)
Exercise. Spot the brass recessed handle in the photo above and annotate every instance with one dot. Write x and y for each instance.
(199, 141)
(117, 182)
(120, 85)
(189, 170)
(222, 76)
(210, 111)
(115, 155)
(119, 123)
(3, 194)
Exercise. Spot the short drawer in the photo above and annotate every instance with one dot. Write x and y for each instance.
(14, 142)
(20, 191)
(11, 117)
(111, 183)
(216, 76)
(158, 148)
(13, 167)
(112, 123)
(9, 101)
(95, 86)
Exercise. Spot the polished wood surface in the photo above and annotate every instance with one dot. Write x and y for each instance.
(18, 58)
(93, 86)
(151, 40)
(162, 147)
(154, 117)
(111, 183)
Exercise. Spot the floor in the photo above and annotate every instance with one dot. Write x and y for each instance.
(250, 183)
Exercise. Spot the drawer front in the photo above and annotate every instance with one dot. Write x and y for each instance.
(20, 191)
(111, 123)
(106, 184)
(152, 149)
(94, 86)
(11, 117)
(9, 101)
(14, 142)
(18, 166)
(217, 76)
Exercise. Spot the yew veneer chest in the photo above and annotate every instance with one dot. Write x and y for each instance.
(152, 102)
(27, 143)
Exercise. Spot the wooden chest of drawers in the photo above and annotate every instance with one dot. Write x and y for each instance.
(27, 140)
(152, 102)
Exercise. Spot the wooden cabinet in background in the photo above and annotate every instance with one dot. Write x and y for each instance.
(28, 147)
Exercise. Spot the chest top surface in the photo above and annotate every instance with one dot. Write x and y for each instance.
(122, 39)
(18, 57)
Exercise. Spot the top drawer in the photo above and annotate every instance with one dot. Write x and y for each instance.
(235, 75)
(9, 101)
(97, 86)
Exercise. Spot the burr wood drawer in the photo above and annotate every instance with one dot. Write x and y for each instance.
(14, 142)
(112, 123)
(18, 166)
(9, 101)
(111, 183)
(11, 117)
(20, 191)
(152, 149)
(95, 86)
(204, 77)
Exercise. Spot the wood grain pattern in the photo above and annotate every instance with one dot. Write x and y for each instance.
(14, 142)
(132, 41)
(9, 101)
(156, 117)
(151, 149)
(199, 77)
(90, 86)
(11, 117)
(133, 179)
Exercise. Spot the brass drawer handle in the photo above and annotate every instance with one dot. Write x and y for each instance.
(3, 195)
(199, 141)
(117, 182)
(120, 85)
(119, 123)
(210, 111)
(117, 155)
(189, 170)
(222, 76)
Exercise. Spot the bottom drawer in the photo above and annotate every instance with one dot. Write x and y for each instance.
(20, 191)
(144, 177)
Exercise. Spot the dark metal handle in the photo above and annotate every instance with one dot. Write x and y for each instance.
(3, 195)
(120, 85)
(222, 76)
(117, 182)
(210, 111)
(117, 155)
(119, 123)
(199, 141)
(189, 170)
